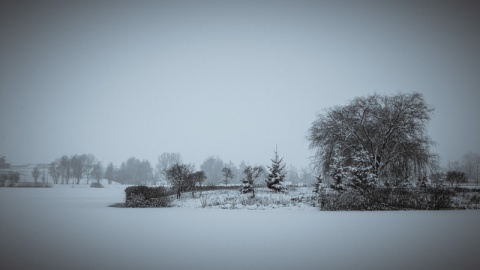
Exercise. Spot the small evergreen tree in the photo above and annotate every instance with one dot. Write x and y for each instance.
(361, 171)
(358, 175)
(276, 174)
(337, 172)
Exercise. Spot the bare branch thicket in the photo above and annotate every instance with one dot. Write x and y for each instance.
(392, 130)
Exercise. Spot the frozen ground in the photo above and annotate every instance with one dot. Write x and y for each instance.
(73, 228)
(265, 199)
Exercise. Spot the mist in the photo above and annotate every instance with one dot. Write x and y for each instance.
(215, 78)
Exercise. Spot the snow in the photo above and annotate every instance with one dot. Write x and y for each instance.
(73, 228)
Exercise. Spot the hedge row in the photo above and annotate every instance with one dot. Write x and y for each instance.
(430, 198)
(143, 196)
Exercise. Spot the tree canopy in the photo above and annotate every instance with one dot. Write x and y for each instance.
(390, 131)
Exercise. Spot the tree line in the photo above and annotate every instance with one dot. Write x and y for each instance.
(71, 169)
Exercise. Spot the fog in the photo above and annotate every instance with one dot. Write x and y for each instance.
(202, 78)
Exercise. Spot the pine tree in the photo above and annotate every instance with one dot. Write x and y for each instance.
(361, 171)
(337, 172)
(276, 174)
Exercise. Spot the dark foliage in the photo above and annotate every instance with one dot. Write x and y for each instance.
(96, 185)
(33, 184)
(388, 198)
(143, 196)
(10, 179)
(456, 177)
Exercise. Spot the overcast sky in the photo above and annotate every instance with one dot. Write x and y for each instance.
(224, 78)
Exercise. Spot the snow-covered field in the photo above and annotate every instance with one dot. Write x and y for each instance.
(73, 228)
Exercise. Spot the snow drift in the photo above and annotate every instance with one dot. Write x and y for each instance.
(73, 228)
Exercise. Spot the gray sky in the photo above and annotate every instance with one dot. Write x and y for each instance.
(230, 79)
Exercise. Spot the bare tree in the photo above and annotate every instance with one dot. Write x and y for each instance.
(292, 174)
(227, 175)
(134, 171)
(97, 172)
(64, 169)
(178, 176)
(14, 178)
(110, 173)
(89, 161)
(165, 161)
(212, 166)
(199, 177)
(195, 178)
(470, 164)
(78, 164)
(44, 177)
(3, 163)
(456, 177)
(251, 174)
(54, 172)
(392, 130)
(35, 174)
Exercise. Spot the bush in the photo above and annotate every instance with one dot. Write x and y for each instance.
(143, 196)
(96, 185)
(388, 198)
(31, 185)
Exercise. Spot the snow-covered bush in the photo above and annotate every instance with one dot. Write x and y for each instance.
(204, 201)
(388, 198)
(96, 185)
(143, 196)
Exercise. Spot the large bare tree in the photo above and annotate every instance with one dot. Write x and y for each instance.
(391, 130)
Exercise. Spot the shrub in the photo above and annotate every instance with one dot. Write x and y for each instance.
(96, 185)
(143, 196)
(388, 198)
(346, 200)
(31, 184)
(204, 200)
